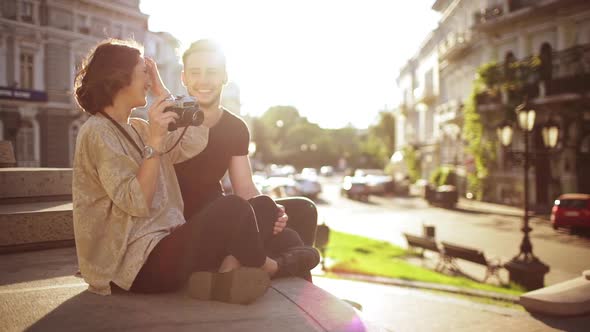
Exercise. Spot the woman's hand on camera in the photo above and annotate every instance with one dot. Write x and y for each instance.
(156, 85)
(159, 121)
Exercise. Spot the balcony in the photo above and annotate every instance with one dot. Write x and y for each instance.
(424, 94)
(516, 10)
(568, 77)
(454, 45)
(487, 15)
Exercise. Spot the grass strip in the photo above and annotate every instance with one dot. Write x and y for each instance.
(356, 254)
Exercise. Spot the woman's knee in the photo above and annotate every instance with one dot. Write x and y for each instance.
(235, 205)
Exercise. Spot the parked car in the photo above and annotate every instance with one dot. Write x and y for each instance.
(571, 211)
(308, 185)
(278, 186)
(309, 172)
(378, 182)
(327, 170)
(355, 188)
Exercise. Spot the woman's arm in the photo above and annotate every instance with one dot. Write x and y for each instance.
(149, 169)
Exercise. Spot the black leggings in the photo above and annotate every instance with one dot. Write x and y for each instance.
(227, 226)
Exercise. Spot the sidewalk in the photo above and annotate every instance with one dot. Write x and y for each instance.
(494, 208)
(406, 309)
(38, 292)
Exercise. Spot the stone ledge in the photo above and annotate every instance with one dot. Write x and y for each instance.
(567, 298)
(38, 292)
(21, 182)
(35, 223)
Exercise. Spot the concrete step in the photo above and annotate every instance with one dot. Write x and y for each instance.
(20, 184)
(31, 226)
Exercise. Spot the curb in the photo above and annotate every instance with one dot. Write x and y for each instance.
(427, 286)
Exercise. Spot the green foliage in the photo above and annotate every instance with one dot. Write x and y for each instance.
(374, 151)
(490, 75)
(443, 175)
(384, 130)
(511, 77)
(412, 163)
(282, 136)
(482, 150)
(491, 79)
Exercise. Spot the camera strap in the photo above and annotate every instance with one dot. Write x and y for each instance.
(118, 125)
(125, 132)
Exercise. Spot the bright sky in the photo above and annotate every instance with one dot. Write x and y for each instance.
(336, 61)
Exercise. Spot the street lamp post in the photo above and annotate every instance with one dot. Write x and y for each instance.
(525, 268)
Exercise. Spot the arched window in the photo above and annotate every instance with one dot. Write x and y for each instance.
(26, 154)
(546, 70)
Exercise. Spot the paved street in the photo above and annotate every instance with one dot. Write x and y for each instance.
(497, 234)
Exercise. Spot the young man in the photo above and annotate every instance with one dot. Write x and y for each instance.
(204, 76)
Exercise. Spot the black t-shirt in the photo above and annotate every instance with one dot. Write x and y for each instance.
(199, 177)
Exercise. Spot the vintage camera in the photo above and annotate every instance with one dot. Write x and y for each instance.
(188, 112)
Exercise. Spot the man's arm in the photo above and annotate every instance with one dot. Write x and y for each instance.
(240, 175)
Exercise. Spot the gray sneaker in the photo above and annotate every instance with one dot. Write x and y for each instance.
(240, 286)
(297, 262)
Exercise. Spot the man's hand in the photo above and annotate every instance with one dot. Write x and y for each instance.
(281, 222)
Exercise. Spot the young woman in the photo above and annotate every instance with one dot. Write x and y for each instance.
(128, 212)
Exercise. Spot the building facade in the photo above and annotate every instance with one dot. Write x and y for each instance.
(554, 33)
(41, 44)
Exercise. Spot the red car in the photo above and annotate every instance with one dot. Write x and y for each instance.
(571, 210)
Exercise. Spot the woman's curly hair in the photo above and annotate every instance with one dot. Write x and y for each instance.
(105, 70)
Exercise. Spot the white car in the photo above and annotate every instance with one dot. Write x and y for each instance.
(308, 186)
(375, 179)
(280, 186)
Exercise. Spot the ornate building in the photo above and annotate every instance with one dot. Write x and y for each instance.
(41, 43)
(554, 33)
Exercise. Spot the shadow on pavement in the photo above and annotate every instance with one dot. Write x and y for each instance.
(46, 264)
(571, 324)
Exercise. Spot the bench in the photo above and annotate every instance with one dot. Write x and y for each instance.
(450, 252)
(425, 243)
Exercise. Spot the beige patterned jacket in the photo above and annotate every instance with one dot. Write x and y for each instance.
(114, 228)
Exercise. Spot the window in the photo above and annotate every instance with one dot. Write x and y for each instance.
(26, 12)
(25, 144)
(546, 62)
(26, 70)
(82, 24)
